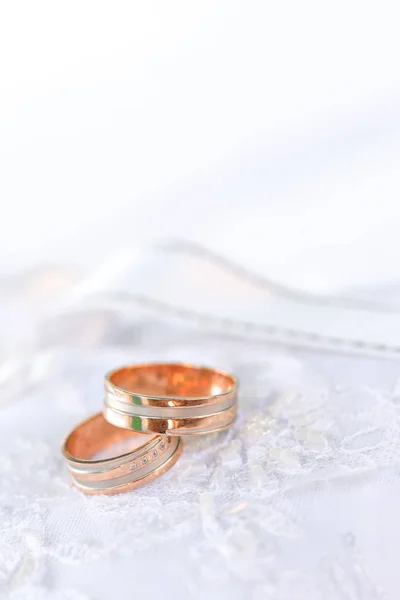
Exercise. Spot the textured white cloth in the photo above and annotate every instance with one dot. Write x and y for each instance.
(298, 501)
(269, 131)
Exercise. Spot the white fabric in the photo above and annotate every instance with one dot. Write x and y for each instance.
(191, 282)
(270, 132)
(298, 501)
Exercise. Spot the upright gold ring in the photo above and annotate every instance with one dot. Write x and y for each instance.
(177, 399)
(152, 456)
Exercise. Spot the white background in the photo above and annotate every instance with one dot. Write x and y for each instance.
(267, 130)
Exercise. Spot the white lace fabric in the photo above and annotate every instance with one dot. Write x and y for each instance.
(299, 500)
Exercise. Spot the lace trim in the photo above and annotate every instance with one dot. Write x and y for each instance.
(232, 495)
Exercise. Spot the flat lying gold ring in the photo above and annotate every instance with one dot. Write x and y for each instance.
(177, 399)
(120, 473)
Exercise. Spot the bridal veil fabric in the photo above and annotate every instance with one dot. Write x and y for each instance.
(297, 500)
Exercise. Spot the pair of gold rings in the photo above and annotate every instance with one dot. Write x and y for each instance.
(151, 406)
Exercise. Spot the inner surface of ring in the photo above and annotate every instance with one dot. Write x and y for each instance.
(96, 434)
(168, 380)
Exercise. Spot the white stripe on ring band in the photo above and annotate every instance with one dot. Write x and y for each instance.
(103, 466)
(168, 412)
(136, 475)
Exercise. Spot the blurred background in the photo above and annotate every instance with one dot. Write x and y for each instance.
(268, 131)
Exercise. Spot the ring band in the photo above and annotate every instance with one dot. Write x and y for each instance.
(119, 473)
(177, 399)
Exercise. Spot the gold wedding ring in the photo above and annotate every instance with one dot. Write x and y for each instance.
(148, 407)
(174, 399)
(152, 456)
